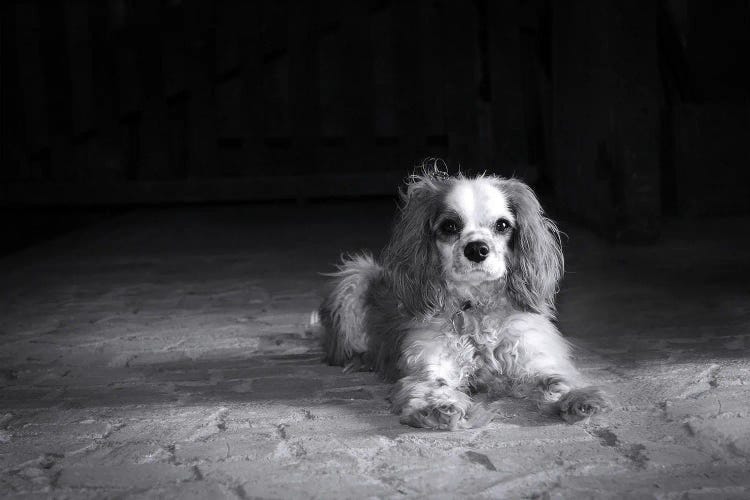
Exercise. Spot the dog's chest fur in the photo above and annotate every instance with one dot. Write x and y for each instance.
(480, 343)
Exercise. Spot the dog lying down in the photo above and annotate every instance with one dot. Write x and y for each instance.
(461, 301)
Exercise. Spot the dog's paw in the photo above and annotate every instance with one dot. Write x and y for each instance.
(448, 416)
(433, 404)
(581, 404)
(445, 416)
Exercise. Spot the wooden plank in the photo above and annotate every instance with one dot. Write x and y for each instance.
(126, 30)
(276, 125)
(460, 51)
(78, 41)
(357, 59)
(200, 32)
(532, 84)
(251, 67)
(632, 34)
(409, 105)
(154, 132)
(127, 36)
(430, 38)
(386, 127)
(230, 122)
(58, 88)
(13, 154)
(154, 141)
(334, 82)
(174, 63)
(178, 133)
(229, 25)
(228, 82)
(229, 126)
(435, 140)
(275, 25)
(108, 155)
(228, 90)
(304, 86)
(274, 186)
(174, 48)
(508, 126)
(31, 76)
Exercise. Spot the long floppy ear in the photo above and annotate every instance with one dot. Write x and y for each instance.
(410, 258)
(536, 263)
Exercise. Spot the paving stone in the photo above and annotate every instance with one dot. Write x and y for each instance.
(135, 362)
(125, 476)
(193, 490)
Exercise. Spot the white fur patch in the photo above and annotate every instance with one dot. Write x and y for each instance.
(479, 203)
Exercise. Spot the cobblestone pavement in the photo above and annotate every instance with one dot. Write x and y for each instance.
(164, 354)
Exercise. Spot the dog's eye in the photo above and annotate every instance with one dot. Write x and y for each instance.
(502, 225)
(449, 226)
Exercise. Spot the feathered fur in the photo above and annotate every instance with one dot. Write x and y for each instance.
(408, 318)
(537, 263)
(411, 264)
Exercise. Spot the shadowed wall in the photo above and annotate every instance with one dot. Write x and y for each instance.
(620, 111)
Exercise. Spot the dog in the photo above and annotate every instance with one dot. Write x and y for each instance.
(460, 302)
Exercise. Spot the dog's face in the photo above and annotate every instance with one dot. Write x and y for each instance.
(455, 233)
(473, 230)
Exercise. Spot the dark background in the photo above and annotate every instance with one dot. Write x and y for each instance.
(618, 112)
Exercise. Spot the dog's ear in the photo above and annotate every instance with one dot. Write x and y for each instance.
(536, 261)
(411, 257)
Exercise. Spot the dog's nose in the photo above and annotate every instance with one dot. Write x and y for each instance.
(476, 251)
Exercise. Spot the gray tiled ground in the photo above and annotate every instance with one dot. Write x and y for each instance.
(164, 354)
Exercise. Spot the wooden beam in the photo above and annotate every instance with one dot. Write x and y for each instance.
(286, 187)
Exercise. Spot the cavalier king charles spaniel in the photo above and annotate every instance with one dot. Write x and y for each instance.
(460, 302)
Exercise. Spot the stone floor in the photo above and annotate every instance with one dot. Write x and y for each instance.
(164, 353)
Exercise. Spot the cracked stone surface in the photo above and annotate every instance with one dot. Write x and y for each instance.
(164, 354)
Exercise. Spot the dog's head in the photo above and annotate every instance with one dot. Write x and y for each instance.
(459, 235)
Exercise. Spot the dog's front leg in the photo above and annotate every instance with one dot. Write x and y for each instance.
(432, 392)
(424, 402)
(540, 360)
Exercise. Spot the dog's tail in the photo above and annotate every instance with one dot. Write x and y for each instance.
(343, 312)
